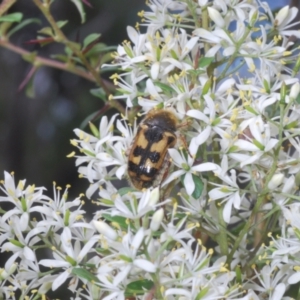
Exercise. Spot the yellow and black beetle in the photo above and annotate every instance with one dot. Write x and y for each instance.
(148, 158)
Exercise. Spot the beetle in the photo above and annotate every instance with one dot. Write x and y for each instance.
(148, 158)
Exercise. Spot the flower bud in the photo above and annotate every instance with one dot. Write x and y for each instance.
(253, 16)
(275, 181)
(157, 219)
(295, 89)
(216, 17)
(44, 288)
(282, 14)
(3, 275)
(105, 229)
(154, 196)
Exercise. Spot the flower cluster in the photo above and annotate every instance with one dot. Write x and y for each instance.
(227, 69)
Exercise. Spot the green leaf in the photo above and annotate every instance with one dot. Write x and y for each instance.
(80, 9)
(251, 110)
(205, 61)
(198, 186)
(94, 130)
(61, 24)
(71, 260)
(266, 86)
(101, 48)
(125, 258)
(102, 251)
(60, 57)
(206, 87)
(14, 17)
(138, 287)
(202, 293)
(99, 93)
(238, 274)
(67, 217)
(165, 88)
(117, 219)
(23, 24)
(88, 119)
(85, 274)
(90, 38)
(125, 190)
(16, 243)
(30, 92)
(259, 145)
(47, 31)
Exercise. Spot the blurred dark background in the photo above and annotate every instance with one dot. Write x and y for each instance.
(35, 132)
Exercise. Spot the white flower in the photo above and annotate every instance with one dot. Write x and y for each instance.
(69, 258)
(216, 17)
(157, 219)
(259, 142)
(105, 229)
(271, 280)
(187, 168)
(213, 123)
(229, 192)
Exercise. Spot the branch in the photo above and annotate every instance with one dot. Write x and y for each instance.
(5, 5)
(41, 61)
(61, 38)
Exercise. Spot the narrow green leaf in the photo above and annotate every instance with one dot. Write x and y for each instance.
(238, 273)
(125, 258)
(205, 61)
(206, 87)
(198, 186)
(138, 287)
(23, 24)
(202, 293)
(14, 17)
(90, 38)
(125, 190)
(71, 260)
(30, 92)
(251, 110)
(165, 88)
(94, 130)
(47, 31)
(85, 274)
(80, 9)
(99, 93)
(67, 217)
(258, 145)
(16, 243)
(61, 24)
(117, 219)
(266, 86)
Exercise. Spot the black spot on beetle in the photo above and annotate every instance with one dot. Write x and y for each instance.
(138, 151)
(154, 156)
(141, 170)
(170, 139)
(154, 134)
(149, 172)
(133, 167)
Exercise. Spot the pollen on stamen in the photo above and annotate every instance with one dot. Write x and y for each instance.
(74, 142)
(72, 154)
(141, 14)
(21, 185)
